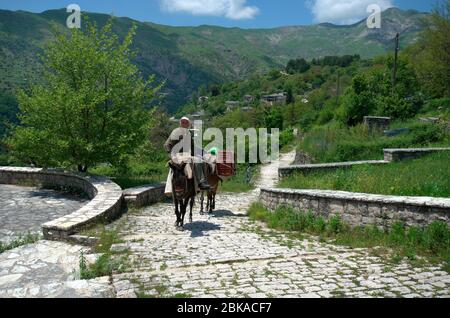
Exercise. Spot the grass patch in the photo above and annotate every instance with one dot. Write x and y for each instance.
(242, 181)
(337, 144)
(107, 262)
(432, 242)
(427, 176)
(21, 240)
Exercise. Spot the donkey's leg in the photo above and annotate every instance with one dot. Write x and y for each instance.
(211, 202)
(202, 199)
(214, 201)
(184, 204)
(191, 207)
(177, 211)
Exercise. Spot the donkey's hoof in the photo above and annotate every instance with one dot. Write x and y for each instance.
(180, 228)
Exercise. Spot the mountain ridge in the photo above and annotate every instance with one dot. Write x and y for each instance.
(187, 57)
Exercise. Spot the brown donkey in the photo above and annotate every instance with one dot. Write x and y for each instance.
(213, 181)
(183, 193)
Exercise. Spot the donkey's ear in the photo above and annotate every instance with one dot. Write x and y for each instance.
(171, 165)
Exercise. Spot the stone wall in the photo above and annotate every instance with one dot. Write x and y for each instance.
(373, 122)
(390, 155)
(106, 197)
(410, 153)
(359, 208)
(288, 170)
(145, 195)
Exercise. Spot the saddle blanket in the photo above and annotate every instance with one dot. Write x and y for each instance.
(188, 170)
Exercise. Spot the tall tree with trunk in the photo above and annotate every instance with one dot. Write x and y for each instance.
(92, 103)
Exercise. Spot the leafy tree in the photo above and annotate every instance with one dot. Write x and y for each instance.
(274, 118)
(91, 105)
(274, 74)
(430, 57)
(342, 61)
(358, 101)
(297, 66)
(215, 90)
(371, 93)
(290, 96)
(8, 110)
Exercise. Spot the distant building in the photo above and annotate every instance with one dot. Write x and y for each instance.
(275, 99)
(246, 109)
(203, 99)
(248, 98)
(163, 95)
(231, 105)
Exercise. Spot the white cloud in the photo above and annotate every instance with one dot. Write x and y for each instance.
(232, 9)
(344, 11)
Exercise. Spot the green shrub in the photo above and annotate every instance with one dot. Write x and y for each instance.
(286, 137)
(437, 236)
(334, 225)
(397, 233)
(319, 225)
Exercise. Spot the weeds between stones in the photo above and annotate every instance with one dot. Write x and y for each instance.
(20, 241)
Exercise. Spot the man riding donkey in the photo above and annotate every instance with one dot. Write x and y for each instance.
(187, 174)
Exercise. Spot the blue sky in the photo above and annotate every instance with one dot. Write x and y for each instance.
(230, 13)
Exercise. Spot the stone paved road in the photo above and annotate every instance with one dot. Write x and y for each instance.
(226, 255)
(48, 269)
(45, 268)
(219, 255)
(24, 209)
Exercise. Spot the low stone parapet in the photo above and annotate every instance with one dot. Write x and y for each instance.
(360, 209)
(105, 205)
(288, 170)
(409, 153)
(145, 195)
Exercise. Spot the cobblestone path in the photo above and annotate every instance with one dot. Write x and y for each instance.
(223, 254)
(48, 269)
(227, 255)
(24, 209)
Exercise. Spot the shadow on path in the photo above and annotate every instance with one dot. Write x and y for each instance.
(198, 228)
(225, 213)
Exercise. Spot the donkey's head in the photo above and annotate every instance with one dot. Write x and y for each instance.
(179, 179)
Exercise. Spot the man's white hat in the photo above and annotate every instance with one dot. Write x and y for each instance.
(185, 118)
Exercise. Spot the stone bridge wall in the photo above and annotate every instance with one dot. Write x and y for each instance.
(106, 197)
(359, 208)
